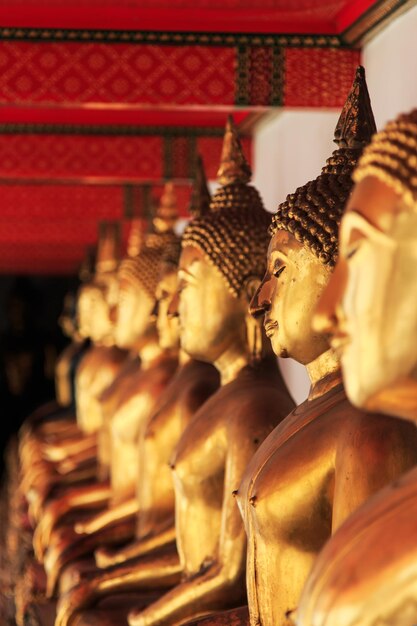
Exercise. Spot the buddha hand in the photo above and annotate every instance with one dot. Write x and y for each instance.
(52, 563)
(42, 534)
(106, 557)
(75, 600)
(135, 618)
(54, 453)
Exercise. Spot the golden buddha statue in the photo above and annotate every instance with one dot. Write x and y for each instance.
(96, 494)
(326, 457)
(41, 422)
(138, 393)
(221, 262)
(69, 358)
(99, 365)
(366, 574)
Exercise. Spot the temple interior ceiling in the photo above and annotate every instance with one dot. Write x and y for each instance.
(101, 101)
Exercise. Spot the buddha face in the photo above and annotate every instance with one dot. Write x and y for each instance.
(101, 324)
(370, 306)
(287, 297)
(167, 325)
(66, 320)
(211, 319)
(84, 311)
(133, 314)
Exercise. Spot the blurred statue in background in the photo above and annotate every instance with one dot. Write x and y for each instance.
(221, 264)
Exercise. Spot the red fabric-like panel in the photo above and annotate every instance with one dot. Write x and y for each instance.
(60, 202)
(117, 74)
(318, 78)
(80, 156)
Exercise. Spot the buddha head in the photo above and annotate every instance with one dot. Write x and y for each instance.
(370, 306)
(84, 311)
(304, 244)
(67, 320)
(167, 324)
(139, 274)
(222, 259)
(102, 290)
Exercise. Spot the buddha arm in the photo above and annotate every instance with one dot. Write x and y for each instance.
(369, 456)
(75, 461)
(107, 558)
(58, 452)
(122, 511)
(83, 497)
(219, 584)
(150, 572)
(65, 550)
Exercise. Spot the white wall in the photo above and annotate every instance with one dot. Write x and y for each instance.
(290, 147)
(390, 61)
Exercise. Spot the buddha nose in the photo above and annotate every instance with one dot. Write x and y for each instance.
(173, 305)
(113, 314)
(328, 315)
(155, 309)
(260, 302)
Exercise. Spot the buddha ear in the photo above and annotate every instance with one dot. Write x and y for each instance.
(253, 325)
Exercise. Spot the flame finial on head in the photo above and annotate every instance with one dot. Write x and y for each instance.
(86, 270)
(234, 167)
(200, 196)
(136, 238)
(108, 250)
(166, 214)
(356, 123)
(312, 213)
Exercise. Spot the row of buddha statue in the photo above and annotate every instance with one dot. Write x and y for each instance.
(175, 481)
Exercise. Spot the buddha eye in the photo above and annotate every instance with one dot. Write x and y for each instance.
(278, 271)
(352, 250)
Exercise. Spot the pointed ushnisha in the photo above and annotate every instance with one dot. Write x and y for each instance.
(200, 195)
(108, 251)
(312, 213)
(136, 238)
(86, 270)
(144, 268)
(166, 214)
(356, 123)
(234, 167)
(233, 234)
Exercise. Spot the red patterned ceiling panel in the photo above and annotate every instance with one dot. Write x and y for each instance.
(260, 16)
(312, 74)
(60, 202)
(124, 120)
(80, 156)
(106, 158)
(92, 74)
(45, 233)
